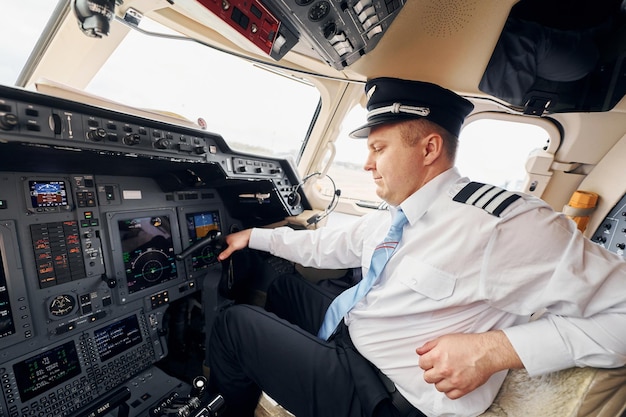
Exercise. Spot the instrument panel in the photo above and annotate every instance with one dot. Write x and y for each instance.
(611, 234)
(84, 287)
(97, 209)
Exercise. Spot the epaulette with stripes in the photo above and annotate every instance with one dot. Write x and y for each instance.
(494, 200)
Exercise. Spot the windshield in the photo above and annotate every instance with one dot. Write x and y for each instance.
(21, 24)
(255, 110)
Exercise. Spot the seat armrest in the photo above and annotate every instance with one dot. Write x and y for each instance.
(574, 392)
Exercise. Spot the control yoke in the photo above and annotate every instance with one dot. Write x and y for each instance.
(212, 237)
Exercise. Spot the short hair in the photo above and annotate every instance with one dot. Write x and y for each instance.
(413, 130)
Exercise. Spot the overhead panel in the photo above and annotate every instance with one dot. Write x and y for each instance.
(340, 32)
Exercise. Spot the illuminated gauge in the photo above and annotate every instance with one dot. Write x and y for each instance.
(319, 11)
(151, 265)
(303, 2)
(62, 305)
(206, 256)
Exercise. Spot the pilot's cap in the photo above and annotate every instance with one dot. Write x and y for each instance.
(393, 100)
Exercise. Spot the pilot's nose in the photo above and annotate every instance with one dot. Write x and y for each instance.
(369, 163)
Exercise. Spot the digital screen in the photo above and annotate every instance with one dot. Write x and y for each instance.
(148, 251)
(45, 371)
(7, 326)
(198, 225)
(47, 193)
(58, 252)
(117, 337)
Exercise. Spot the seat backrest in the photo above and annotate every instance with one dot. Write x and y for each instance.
(575, 392)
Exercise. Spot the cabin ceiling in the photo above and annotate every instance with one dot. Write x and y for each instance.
(445, 42)
(475, 47)
(488, 48)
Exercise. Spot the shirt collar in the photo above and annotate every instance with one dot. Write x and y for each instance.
(416, 205)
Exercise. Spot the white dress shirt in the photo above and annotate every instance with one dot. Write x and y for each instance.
(460, 269)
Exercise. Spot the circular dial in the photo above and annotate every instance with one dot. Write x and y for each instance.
(62, 305)
(151, 265)
(319, 11)
(205, 256)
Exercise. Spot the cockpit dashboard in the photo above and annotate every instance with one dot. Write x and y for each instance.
(96, 209)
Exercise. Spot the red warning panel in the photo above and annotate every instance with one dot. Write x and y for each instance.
(248, 17)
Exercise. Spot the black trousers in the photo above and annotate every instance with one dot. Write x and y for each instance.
(276, 350)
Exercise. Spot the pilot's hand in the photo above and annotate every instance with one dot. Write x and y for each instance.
(457, 364)
(235, 242)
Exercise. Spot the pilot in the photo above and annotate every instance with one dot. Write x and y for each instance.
(473, 280)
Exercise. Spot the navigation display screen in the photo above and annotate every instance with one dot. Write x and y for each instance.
(7, 326)
(117, 337)
(47, 193)
(148, 251)
(198, 226)
(45, 371)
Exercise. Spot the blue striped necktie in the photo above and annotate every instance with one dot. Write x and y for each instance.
(347, 299)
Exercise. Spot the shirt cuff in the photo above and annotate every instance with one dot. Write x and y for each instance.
(540, 347)
(260, 239)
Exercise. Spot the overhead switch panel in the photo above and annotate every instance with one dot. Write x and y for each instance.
(340, 32)
(256, 23)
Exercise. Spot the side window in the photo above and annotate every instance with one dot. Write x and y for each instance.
(495, 151)
(490, 150)
(347, 167)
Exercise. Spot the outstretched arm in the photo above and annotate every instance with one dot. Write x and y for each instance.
(457, 364)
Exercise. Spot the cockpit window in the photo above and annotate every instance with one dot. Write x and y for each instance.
(21, 24)
(254, 109)
(496, 151)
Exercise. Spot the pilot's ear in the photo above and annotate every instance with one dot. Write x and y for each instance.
(432, 146)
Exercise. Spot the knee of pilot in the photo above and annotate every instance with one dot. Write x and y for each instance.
(236, 318)
(223, 320)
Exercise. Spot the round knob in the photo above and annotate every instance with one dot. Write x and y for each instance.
(8, 121)
(56, 123)
(111, 282)
(97, 134)
(197, 386)
(330, 30)
(162, 143)
(131, 139)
